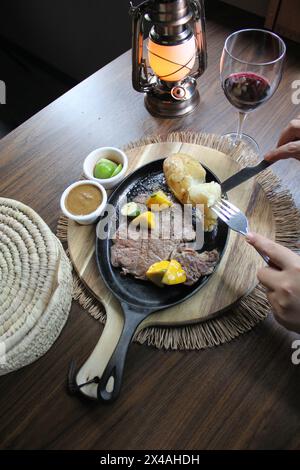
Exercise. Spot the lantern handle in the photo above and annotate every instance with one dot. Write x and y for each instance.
(140, 80)
(198, 9)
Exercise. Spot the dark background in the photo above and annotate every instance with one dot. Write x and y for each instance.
(48, 46)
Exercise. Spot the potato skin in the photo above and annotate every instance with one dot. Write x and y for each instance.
(180, 171)
(185, 176)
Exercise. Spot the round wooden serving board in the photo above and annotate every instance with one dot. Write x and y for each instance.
(234, 277)
(236, 274)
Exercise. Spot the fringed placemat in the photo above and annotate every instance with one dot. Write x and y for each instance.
(35, 286)
(252, 308)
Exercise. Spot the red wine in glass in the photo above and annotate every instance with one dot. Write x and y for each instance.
(251, 68)
(246, 90)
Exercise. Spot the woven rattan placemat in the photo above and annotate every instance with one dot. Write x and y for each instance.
(252, 308)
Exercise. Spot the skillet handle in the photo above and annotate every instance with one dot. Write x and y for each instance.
(110, 383)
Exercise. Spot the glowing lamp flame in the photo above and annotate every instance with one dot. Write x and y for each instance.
(172, 63)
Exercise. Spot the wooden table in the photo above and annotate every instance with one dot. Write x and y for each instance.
(244, 394)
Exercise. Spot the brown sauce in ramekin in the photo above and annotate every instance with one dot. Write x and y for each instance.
(83, 199)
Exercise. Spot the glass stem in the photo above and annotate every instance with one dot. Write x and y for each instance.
(239, 133)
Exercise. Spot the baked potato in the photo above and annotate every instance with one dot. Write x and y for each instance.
(181, 171)
(204, 193)
(185, 176)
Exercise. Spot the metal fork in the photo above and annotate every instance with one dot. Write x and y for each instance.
(235, 219)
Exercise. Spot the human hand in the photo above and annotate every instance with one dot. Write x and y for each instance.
(282, 284)
(288, 145)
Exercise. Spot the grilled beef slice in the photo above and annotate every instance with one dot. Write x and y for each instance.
(134, 253)
(135, 256)
(195, 264)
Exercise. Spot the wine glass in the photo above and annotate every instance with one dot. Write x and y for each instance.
(251, 69)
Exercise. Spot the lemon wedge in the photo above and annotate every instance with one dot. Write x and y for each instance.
(145, 220)
(158, 201)
(157, 271)
(174, 274)
(166, 273)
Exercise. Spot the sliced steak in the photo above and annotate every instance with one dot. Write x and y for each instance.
(135, 256)
(195, 264)
(134, 253)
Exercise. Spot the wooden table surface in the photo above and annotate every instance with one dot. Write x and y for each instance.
(241, 395)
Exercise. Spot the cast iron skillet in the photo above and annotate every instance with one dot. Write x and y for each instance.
(141, 298)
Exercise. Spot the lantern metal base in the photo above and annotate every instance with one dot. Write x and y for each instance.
(164, 105)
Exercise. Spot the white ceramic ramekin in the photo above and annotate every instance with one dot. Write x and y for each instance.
(112, 153)
(88, 218)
